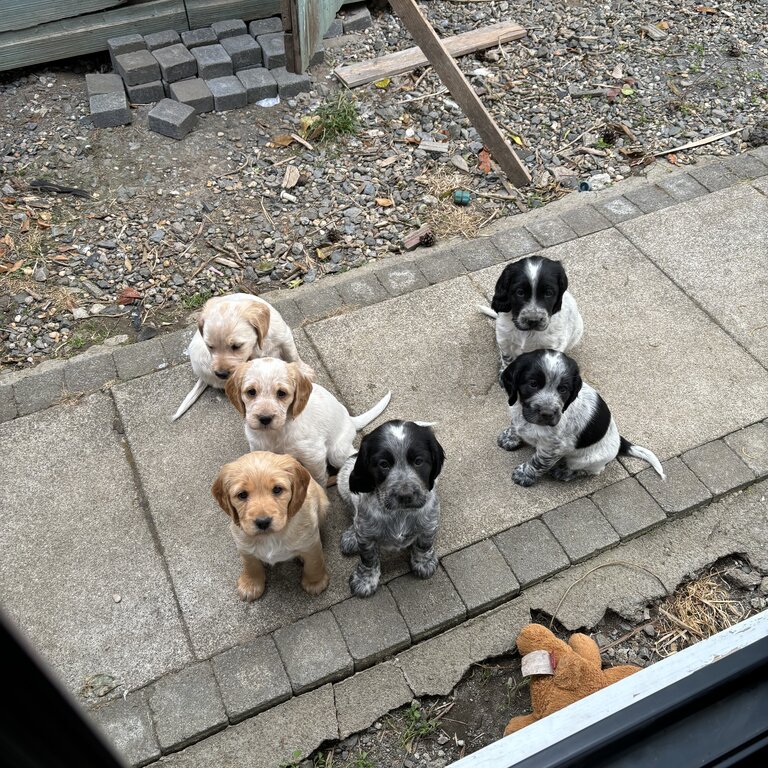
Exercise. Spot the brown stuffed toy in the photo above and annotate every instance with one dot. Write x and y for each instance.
(577, 672)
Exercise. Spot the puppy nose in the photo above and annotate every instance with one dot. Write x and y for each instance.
(222, 374)
(266, 420)
(404, 498)
(549, 415)
(262, 523)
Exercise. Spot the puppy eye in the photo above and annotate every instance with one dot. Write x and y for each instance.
(383, 464)
(533, 384)
(418, 461)
(235, 347)
(549, 293)
(251, 392)
(562, 389)
(520, 293)
(277, 490)
(281, 394)
(243, 495)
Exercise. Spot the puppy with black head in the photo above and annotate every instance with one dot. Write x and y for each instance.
(563, 418)
(533, 309)
(390, 486)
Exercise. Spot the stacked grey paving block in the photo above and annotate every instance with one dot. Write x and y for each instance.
(41, 388)
(265, 26)
(96, 82)
(195, 93)
(289, 84)
(127, 723)
(228, 93)
(585, 220)
(244, 51)
(170, 118)
(146, 93)
(532, 552)
(745, 166)
(681, 491)
(629, 508)
(581, 529)
(681, 186)
(335, 29)
(273, 49)
(175, 345)
(479, 253)
(156, 40)
(138, 67)
(443, 264)
(251, 678)
(401, 278)
(89, 371)
(186, 706)
(258, 83)
(714, 176)
(649, 198)
(229, 28)
(363, 290)
(551, 231)
(356, 18)
(618, 209)
(8, 409)
(176, 63)
(194, 38)
(125, 44)
(139, 359)
(751, 446)
(287, 307)
(718, 467)
(320, 302)
(108, 110)
(313, 651)
(212, 61)
(517, 242)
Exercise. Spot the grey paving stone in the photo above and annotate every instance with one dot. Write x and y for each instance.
(321, 302)
(745, 166)
(176, 63)
(714, 176)
(681, 186)
(258, 83)
(125, 44)
(8, 408)
(581, 529)
(139, 359)
(194, 93)
(40, 388)
(718, 467)
(265, 26)
(531, 551)
(440, 265)
(289, 84)
(584, 220)
(146, 93)
(127, 724)
(372, 628)
(401, 278)
(550, 231)
(90, 371)
(175, 345)
(212, 61)
(761, 153)
(108, 110)
(629, 508)
(336, 29)
(244, 51)
(228, 93)
(138, 67)
(363, 290)
(229, 28)
(479, 253)
(681, 491)
(751, 446)
(514, 243)
(356, 18)
(273, 49)
(171, 118)
(427, 605)
(186, 706)
(649, 198)
(194, 38)
(287, 308)
(481, 576)
(313, 651)
(368, 695)
(156, 40)
(618, 209)
(96, 82)
(318, 57)
(251, 678)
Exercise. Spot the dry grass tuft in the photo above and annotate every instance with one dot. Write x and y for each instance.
(449, 220)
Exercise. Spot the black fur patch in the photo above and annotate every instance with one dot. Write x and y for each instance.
(514, 290)
(597, 426)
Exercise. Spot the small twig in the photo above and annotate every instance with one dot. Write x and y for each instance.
(237, 170)
(680, 624)
(426, 71)
(296, 137)
(438, 92)
(697, 143)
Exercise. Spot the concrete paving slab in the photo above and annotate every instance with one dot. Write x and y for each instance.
(670, 376)
(127, 724)
(581, 529)
(751, 445)
(723, 266)
(718, 467)
(629, 508)
(177, 463)
(532, 552)
(73, 536)
(681, 491)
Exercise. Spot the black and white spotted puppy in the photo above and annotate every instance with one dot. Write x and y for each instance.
(563, 418)
(533, 309)
(390, 486)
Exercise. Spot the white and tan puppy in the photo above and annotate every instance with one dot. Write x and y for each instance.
(231, 330)
(286, 413)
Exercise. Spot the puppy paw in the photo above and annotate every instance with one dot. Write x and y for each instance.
(316, 587)
(364, 581)
(349, 545)
(424, 564)
(524, 475)
(249, 589)
(508, 440)
(561, 472)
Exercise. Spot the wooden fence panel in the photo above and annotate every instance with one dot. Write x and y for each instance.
(21, 14)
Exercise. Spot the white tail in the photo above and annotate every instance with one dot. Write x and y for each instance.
(487, 311)
(643, 453)
(194, 393)
(366, 418)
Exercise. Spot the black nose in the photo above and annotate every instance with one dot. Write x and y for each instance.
(266, 420)
(262, 523)
(222, 374)
(548, 416)
(405, 499)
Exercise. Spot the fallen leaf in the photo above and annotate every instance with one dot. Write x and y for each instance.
(484, 161)
(611, 94)
(383, 83)
(618, 72)
(384, 202)
(9, 267)
(662, 24)
(24, 225)
(627, 90)
(387, 161)
(128, 265)
(672, 158)
(8, 240)
(517, 140)
(322, 253)
(291, 178)
(128, 296)
(283, 140)
(295, 283)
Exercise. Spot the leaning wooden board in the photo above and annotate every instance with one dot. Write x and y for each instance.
(396, 63)
(21, 14)
(202, 13)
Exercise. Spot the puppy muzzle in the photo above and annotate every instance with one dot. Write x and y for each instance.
(405, 498)
(532, 320)
(545, 417)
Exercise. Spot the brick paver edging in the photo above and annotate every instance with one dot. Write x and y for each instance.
(485, 580)
(53, 381)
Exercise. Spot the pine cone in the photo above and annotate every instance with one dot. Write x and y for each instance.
(427, 239)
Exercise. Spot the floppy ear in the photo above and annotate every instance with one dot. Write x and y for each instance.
(300, 478)
(575, 383)
(509, 379)
(219, 492)
(200, 324)
(502, 300)
(562, 287)
(361, 479)
(303, 389)
(257, 314)
(234, 387)
(437, 455)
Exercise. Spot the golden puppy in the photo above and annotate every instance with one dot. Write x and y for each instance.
(276, 509)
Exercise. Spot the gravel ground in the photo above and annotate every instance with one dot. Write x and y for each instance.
(594, 88)
(433, 732)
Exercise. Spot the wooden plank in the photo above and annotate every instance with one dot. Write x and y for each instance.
(310, 20)
(404, 61)
(22, 14)
(202, 13)
(87, 34)
(448, 71)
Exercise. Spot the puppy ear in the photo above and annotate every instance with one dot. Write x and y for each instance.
(219, 491)
(509, 379)
(438, 459)
(575, 383)
(302, 389)
(361, 479)
(562, 287)
(300, 478)
(234, 387)
(502, 300)
(257, 314)
(200, 324)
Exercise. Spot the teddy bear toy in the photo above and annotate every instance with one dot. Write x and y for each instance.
(561, 673)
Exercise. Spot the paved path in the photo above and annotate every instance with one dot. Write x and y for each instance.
(116, 561)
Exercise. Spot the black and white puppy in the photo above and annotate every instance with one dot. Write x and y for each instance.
(563, 418)
(533, 309)
(390, 486)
